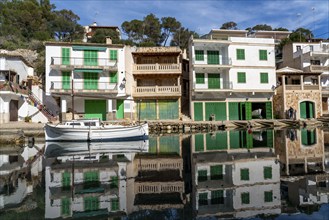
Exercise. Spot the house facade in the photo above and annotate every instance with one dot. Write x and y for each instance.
(156, 87)
(88, 79)
(232, 75)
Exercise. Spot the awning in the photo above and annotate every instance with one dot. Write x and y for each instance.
(88, 48)
(84, 70)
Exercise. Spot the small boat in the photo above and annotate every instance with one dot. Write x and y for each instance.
(95, 131)
(257, 113)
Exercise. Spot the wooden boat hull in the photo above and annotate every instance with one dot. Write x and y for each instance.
(99, 134)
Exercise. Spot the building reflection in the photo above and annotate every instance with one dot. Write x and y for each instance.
(235, 174)
(20, 173)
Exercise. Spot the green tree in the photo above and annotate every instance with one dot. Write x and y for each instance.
(169, 26)
(231, 25)
(133, 30)
(181, 37)
(280, 29)
(152, 29)
(262, 27)
(100, 36)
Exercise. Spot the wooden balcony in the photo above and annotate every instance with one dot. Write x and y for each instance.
(159, 165)
(159, 187)
(157, 68)
(151, 91)
(300, 87)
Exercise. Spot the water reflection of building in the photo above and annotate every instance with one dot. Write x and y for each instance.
(159, 183)
(300, 151)
(19, 174)
(235, 174)
(87, 183)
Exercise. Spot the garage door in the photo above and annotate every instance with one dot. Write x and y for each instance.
(168, 109)
(147, 110)
(216, 108)
(95, 109)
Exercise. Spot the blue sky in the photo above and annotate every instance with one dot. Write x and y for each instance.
(204, 15)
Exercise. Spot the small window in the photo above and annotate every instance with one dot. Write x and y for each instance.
(203, 199)
(90, 123)
(267, 172)
(245, 198)
(113, 55)
(244, 174)
(199, 55)
(263, 77)
(216, 172)
(262, 54)
(199, 78)
(298, 48)
(114, 182)
(240, 54)
(241, 77)
(202, 175)
(311, 48)
(217, 197)
(268, 196)
(115, 204)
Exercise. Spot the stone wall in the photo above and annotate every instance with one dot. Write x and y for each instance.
(278, 111)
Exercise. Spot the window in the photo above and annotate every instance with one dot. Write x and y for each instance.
(263, 77)
(113, 77)
(244, 174)
(202, 175)
(90, 57)
(90, 81)
(240, 54)
(268, 196)
(241, 77)
(213, 57)
(114, 204)
(217, 197)
(216, 172)
(66, 56)
(65, 206)
(91, 203)
(311, 48)
(262, 54)
(114, 182)
(298, 48)
(199, 55)
(199, 78)
(66, 80)
(267, 172)
(66, 180)
(91, 179)
(203, 199)
(113, 55)
(245, 198)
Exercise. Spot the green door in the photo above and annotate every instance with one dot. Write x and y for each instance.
(95, 109)
(269, 137)
(147, 110)
(213, 81)
(169, 145)
(168, 109)
(66, 80)
(308, 136)
(216, 108)
(216, 141)
(66, 56)
(120, 109)
(233, 110)
(268, 106)
(90, 58)
(248, 110)
(310, 109)
(213, 57)
(234, 139)
(90, 81)
(198, 111)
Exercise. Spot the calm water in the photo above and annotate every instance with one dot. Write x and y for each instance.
(265, 174)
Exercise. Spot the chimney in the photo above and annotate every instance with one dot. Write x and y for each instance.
(108, 40)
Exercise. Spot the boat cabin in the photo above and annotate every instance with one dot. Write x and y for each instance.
(84, 123)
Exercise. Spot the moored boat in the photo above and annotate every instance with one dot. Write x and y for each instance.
(95, 131)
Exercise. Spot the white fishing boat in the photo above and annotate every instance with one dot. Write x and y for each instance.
(95, 131)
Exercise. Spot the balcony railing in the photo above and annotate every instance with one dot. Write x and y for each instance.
(60, 86)
(77, 62)
(157, 68)
(157, 187)
(319, 68)
(223, 61)
(224, 85)
(158, 90)
(299, 87)
(161, 165)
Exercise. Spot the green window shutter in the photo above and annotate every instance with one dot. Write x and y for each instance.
(202, 175)
(90, 81)
(114, 182)
(199, 144)
(308, 137)
(216, 172)
(213, 81)
(65, 206)
(268, 106)
(303, 110)
(66, 80)
(213, 57)
(203, 199)
(268, 196)
(91, 203)
(267, 172)
(91, 176)
(199, 55)
(244, 174)
(217, 197)
(241, 77)
(66, 56)
(245, 198)
(66, 180)
(262, 54)
(90, 58)
(240, 54)
(263, 77)
(311, 109)
(233, 110)
(115, 204)
(199, 77)
(113, 77)
(113, 55)
(198, 111)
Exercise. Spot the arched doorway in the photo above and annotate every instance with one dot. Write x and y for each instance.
(306, 109)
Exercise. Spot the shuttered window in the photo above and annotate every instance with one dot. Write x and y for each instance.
(241, 77)
(216, 172)
(203, 199)
(268, 196)
(91, 203)
(213, 57)
(66, 56)
(115, 204)
(66, 180)
(114, 182)
(199, 145)
(90, 81)
(217, 197)
(245, 198)
(66, 80)
(113, 55)
(240, 54)
(90, 58)
(199, 55)
(202, 175)
(244, 174)
(199, 78)
(267, 172)
(262, 54)
(263, 77)
(113, 77)
(213, 81)
(66, 206)
(90, 176)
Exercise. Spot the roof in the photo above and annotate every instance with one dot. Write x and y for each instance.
(13, 54)
(291, 71)
(157, 50)
(68, 44)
